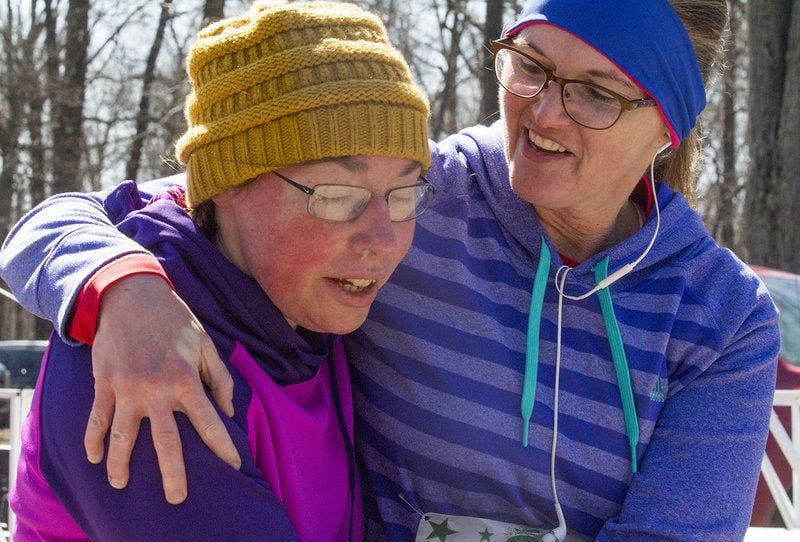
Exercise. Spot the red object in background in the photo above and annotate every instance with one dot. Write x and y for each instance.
(785, 290)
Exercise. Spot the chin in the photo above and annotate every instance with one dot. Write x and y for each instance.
(343, 328)
(342, 325)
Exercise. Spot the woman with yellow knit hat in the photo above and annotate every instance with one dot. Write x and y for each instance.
(304, 154)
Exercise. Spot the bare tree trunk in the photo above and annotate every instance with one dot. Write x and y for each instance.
(143, 116)
(489, 90)
(31, 82)
(444, 118)
(52, 83)
(11, 121)
(729, 178)
(213, 10)
(787, 171)
(68, 111)
(774, 137)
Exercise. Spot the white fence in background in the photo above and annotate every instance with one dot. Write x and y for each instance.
(19, 403)
(789, 443)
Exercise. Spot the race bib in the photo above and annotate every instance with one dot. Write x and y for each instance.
(444, 528)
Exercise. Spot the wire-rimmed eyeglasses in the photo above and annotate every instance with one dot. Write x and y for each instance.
(587, 104)
(345, 203)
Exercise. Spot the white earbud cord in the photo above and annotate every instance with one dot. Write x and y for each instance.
(627, 268)
(559, 533)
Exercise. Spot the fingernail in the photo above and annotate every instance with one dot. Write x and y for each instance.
(95, 459)
(117, 483)
(176, 498)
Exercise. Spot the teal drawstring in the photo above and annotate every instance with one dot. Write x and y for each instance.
(614, 340)
(532, 351)
(620, 361)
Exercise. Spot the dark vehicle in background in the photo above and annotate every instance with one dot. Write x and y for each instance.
(785, 291)
(22, 360)
(19, 368)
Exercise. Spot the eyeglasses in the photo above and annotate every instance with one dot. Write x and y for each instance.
(587, 104)
(345, 203)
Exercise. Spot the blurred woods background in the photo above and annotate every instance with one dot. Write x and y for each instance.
(92, 91)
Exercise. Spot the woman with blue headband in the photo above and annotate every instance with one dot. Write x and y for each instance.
(565, 353)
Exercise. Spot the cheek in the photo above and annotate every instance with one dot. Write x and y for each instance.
(512, 109)
(281, 252)
(507, 108)
(405, 236)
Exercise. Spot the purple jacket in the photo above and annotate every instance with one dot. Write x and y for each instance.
(292, 423)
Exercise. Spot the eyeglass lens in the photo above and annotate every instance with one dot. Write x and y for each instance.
(586, 104)
(344, 203)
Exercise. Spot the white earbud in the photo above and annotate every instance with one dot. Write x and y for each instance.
(556, 535)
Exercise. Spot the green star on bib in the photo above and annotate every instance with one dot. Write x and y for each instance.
(486, 535)
(440, 531)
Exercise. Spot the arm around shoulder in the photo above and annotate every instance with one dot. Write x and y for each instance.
(59, 245)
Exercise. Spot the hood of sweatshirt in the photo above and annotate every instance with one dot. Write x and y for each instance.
(231, 304)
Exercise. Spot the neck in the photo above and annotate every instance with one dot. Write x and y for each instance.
(579, 236)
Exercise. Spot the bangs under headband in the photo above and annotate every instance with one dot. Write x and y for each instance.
(645, 39)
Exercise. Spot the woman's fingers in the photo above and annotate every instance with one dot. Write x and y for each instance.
(122, 437)
(215, 376)
(148, 357)
(99, 423)
(210, 427)
(167, 442)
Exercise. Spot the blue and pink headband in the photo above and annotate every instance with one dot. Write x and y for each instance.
(645, 39)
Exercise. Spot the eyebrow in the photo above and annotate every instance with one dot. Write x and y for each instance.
(602, 74)
(352, 163)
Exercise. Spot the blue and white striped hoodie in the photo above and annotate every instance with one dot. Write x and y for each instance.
(439, 370)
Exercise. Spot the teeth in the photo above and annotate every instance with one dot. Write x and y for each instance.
(546, 144)
(355, 285)
(360, 283)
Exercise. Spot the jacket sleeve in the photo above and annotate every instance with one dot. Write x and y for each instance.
(57, 246)
(699, 473)
(222, 504)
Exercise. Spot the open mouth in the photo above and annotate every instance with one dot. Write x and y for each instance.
(545, 145)
(355, 286)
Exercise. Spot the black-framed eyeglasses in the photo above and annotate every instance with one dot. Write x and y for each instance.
(587, 104)
(345, 203)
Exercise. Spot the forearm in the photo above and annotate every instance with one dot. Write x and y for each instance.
(54, 249)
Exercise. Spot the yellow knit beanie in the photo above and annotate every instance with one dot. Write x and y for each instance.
(288, 83)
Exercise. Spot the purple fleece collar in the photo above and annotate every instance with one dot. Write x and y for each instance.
(643, 38)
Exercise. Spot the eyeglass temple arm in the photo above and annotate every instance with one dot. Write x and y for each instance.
(303, 188)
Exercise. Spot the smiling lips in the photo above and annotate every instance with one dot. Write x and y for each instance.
(355, 286)
(545, 144)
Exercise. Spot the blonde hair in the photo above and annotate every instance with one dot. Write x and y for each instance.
(705, 21)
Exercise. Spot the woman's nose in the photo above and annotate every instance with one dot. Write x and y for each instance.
(375, 230)
(549, 107)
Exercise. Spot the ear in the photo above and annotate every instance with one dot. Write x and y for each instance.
(224, 199)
